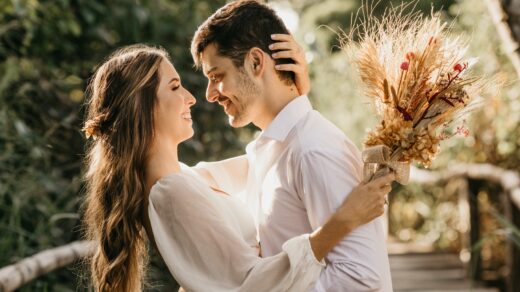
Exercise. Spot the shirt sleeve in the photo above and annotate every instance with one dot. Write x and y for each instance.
(229, 175)
(205, 253)
(326, 177)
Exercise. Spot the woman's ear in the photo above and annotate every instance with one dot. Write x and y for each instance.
(256, 61)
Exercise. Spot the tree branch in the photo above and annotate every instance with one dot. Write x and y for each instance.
(499, 17)
(14, 276)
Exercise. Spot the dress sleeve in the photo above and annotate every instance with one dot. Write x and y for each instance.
(229, 175)
(205, 253)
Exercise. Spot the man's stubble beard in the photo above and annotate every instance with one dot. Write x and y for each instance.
(248, 92)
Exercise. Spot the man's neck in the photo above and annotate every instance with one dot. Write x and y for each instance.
(276, 98)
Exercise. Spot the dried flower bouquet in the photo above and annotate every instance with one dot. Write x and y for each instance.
(418, 77)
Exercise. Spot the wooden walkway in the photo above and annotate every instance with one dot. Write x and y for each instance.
(431, 272)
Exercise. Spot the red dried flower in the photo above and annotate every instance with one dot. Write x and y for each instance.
(458, 67)
(405, 65)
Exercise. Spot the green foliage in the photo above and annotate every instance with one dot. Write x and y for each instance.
(48, 50)
(426, 215)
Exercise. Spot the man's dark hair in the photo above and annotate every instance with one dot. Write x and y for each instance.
(236, 28)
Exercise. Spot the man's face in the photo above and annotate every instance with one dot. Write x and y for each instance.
(233, 88)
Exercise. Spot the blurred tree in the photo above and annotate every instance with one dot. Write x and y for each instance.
(511, 9)
(48, 50)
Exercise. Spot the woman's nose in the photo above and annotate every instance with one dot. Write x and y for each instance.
(191, 99)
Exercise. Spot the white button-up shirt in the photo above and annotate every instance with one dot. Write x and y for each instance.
(300, 170)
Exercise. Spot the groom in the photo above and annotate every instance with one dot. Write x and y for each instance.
(301, 167)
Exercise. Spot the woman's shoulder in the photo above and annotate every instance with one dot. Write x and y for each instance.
(178, 186)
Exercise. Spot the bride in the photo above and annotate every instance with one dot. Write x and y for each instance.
(137, 189)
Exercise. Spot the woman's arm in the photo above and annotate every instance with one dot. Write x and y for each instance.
(204, 249)
(362, 205)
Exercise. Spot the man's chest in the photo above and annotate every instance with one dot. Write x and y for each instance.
(281, 214)
(277, 192)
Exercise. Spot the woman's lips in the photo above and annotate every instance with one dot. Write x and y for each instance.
(186, 116)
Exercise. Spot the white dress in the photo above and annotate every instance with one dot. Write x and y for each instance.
(208, 241)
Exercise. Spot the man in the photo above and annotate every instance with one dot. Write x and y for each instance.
(301, 167)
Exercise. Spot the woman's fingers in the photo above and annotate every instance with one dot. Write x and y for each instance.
(282, 37)
(281, 46)
(286, 55)
(386, 189)
(288, 67)
(384, 180)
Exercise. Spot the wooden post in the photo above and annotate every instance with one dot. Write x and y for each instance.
(505, 202)
(515, 266)
(474, 233)
(464, 223)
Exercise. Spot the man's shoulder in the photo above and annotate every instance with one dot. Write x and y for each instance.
(315, 133)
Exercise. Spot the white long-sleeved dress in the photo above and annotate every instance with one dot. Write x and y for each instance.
(208, 241)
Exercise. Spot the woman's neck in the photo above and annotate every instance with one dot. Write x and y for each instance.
(162, 160)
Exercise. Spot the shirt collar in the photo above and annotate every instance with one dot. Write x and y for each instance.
(287, 118)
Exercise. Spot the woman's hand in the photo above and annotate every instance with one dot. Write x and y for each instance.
(365, 202)
(286, 47)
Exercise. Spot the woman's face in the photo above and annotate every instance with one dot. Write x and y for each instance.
(172, 117)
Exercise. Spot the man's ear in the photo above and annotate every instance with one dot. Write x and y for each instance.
(256, 61)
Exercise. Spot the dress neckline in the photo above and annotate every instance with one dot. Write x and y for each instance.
(186, 172)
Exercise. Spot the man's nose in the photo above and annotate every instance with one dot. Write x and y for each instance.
(212, 93)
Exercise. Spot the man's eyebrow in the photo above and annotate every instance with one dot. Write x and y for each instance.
(210, 70)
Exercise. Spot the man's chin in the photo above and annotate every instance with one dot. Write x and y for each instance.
(237, 122)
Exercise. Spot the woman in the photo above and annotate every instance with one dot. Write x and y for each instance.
(138, 114)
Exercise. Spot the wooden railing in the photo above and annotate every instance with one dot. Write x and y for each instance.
(472, 176)
(473, 179)
(28, 269)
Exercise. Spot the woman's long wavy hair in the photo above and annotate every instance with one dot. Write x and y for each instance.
(122, 94)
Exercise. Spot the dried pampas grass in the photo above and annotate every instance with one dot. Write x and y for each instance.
(419, 79)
